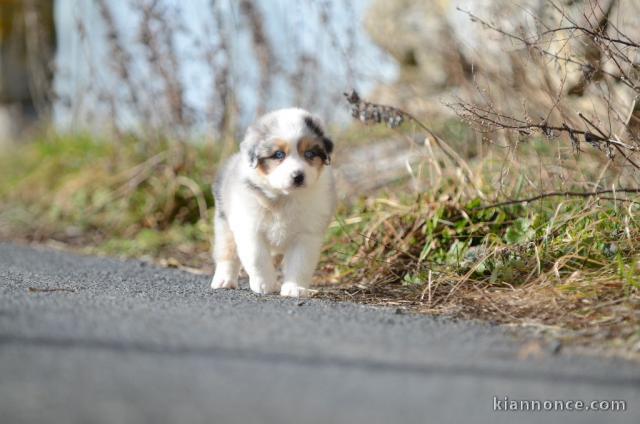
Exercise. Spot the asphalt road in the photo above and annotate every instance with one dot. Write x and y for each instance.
(126, 342)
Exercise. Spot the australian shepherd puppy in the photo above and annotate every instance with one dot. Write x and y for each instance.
(275, 197)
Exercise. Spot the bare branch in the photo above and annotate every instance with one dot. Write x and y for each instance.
(560, 194)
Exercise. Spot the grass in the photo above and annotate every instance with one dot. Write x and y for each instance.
(570, 264)
(114, 198)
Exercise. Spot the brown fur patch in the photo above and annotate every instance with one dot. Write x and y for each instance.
(226, 250)
(314, 145)
(266, 163)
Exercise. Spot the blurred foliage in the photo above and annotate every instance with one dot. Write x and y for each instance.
(115, 196)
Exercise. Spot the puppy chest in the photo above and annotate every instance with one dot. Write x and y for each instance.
(280, 229)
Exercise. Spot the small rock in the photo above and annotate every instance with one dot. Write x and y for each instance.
(555, 347)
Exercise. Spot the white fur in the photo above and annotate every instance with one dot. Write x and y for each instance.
(264, 216)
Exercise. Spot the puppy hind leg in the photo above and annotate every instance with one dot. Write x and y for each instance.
(300, 262)
(225, 256)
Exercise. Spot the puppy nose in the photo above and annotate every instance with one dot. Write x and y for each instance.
(298, 178)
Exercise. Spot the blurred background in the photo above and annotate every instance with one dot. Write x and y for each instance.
(516, 165)
(205, 66)
(196, 68)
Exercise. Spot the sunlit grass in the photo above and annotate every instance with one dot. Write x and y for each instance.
(112, 196)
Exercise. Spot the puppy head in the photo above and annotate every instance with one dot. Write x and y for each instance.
(286, 150)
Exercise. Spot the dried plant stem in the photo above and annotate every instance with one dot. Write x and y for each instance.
(263, 50)
(197, 194)
(368, 112)
(561, 194)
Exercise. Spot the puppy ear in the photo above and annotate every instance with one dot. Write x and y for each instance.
(328, 148)
(315, 126)
(249, 144)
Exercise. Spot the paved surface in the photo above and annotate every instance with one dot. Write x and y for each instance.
(131, 343)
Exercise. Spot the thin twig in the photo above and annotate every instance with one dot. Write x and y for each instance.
(558, 194)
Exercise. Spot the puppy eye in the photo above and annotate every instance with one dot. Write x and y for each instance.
(278, 155)
(310, 154)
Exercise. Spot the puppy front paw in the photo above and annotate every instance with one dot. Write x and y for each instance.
(294, 290)
(224, 282)
(263, 286)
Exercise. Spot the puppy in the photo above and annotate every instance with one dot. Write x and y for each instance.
(275, 197)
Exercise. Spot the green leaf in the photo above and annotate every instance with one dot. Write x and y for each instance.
(519, 232)
(412, 280)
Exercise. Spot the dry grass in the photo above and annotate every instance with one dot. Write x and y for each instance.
(571, 265)
(557, 247)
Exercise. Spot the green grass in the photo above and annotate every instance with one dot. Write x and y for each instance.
(109, 195)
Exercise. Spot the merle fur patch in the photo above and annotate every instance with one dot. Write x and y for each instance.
(253, 156)
(313, 126)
